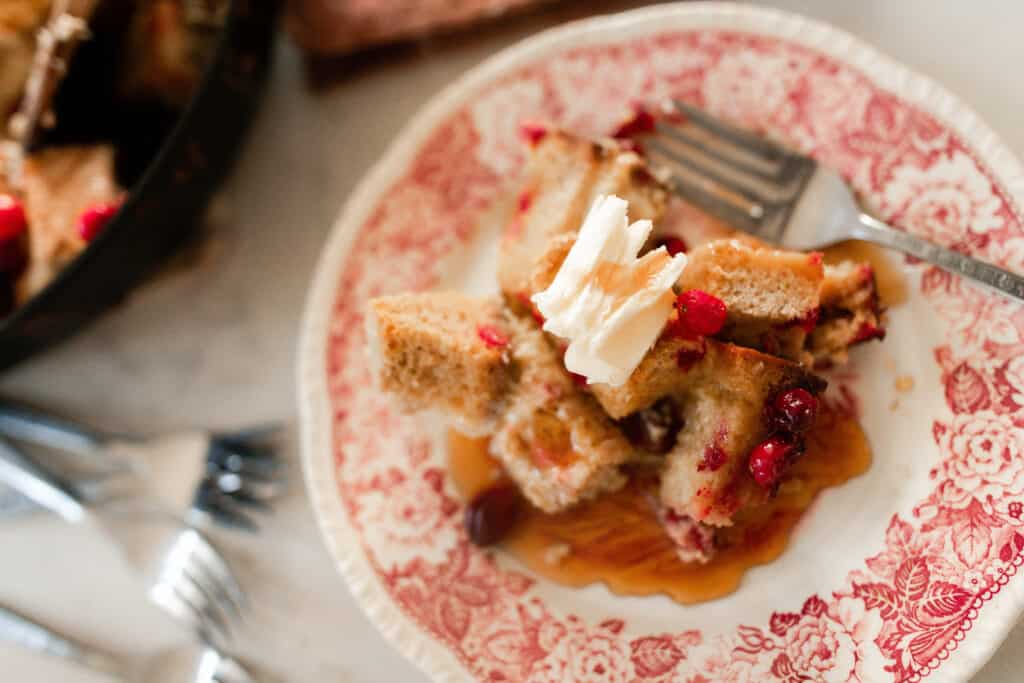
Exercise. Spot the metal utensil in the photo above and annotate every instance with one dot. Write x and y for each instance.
(199, 476)
(787, 198)
(183, 573)
(200, 664)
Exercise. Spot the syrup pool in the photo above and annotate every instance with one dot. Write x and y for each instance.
(617, 539)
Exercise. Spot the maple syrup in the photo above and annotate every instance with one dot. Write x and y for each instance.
(617, 539)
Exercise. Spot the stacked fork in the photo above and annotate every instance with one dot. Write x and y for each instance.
(147, 496)
(783, 197)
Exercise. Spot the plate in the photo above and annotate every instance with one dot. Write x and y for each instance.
(906, 573)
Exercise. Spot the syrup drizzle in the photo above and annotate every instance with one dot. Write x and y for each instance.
(617, 539)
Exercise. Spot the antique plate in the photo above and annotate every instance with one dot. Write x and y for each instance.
(906, 573)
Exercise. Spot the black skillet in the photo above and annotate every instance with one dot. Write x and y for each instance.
(171, 162)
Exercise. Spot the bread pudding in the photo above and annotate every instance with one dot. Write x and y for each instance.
(591, 371)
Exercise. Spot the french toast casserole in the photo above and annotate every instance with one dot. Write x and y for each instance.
(715, 401)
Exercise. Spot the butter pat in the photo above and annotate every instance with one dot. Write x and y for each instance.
(610, 305)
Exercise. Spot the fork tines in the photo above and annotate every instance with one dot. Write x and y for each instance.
(746, 179)
(242, 473)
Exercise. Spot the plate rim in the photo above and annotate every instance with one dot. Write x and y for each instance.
(417, 646)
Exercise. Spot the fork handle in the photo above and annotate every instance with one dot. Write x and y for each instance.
(22, 631)
(39, 485)
(36, 426)
(1001, 280)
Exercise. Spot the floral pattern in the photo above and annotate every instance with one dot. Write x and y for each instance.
(900, 613)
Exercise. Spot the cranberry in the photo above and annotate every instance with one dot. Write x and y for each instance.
(92, 221)
(492, 336)
(492, 514)
(701, 313)
(524, 201)
(794, 410)
(673, 245)
(12, 218)
(714, 457)
(640, 122)
(867, 332)
(769, 458)
(654, 429)
(579, 380)
(532, 132)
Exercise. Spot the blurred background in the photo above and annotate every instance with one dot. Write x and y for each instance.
(209, 339)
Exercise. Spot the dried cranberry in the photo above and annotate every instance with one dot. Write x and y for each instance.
(532, 132)
(492, 514)
(12, 218)
(492, 337)
(640, 122)
(701, 313)
(769, 459)
(794, 410)
(654, 429)
(673, 245)
(92, 221)
(867, 332)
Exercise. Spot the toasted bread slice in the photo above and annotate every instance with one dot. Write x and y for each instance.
(759, 286)
(675, 366)
(427, 350)
(555, 441)
(563, 176)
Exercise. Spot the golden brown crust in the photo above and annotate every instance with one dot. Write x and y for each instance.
(429, 353)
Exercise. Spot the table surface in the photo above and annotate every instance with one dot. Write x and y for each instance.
(213, 344)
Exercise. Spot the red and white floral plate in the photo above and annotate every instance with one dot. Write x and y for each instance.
(906, 573)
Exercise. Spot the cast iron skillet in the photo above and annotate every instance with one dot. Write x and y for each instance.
(171, 164)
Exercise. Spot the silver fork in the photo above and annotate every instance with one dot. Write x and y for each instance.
(203, 664)
(182, 572)
(197, 475)
(786, 198)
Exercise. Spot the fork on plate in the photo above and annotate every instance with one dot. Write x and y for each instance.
(203, 663)
(183, 573)
(197, 475)
(786, 198)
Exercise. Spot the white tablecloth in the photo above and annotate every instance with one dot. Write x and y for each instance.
(213, 342)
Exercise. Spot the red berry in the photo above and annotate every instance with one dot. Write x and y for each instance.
(532, 132)
(92, 221)
(794, 410)
(673, 245)
(769, 458)
(492, 514)
(641, 121)
(701, 313)
(492, 336)
(12, 218)
(867, 332)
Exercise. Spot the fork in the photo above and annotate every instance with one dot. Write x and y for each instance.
(197, 475)
(207, 665)
(786, 198)
(182, 571)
